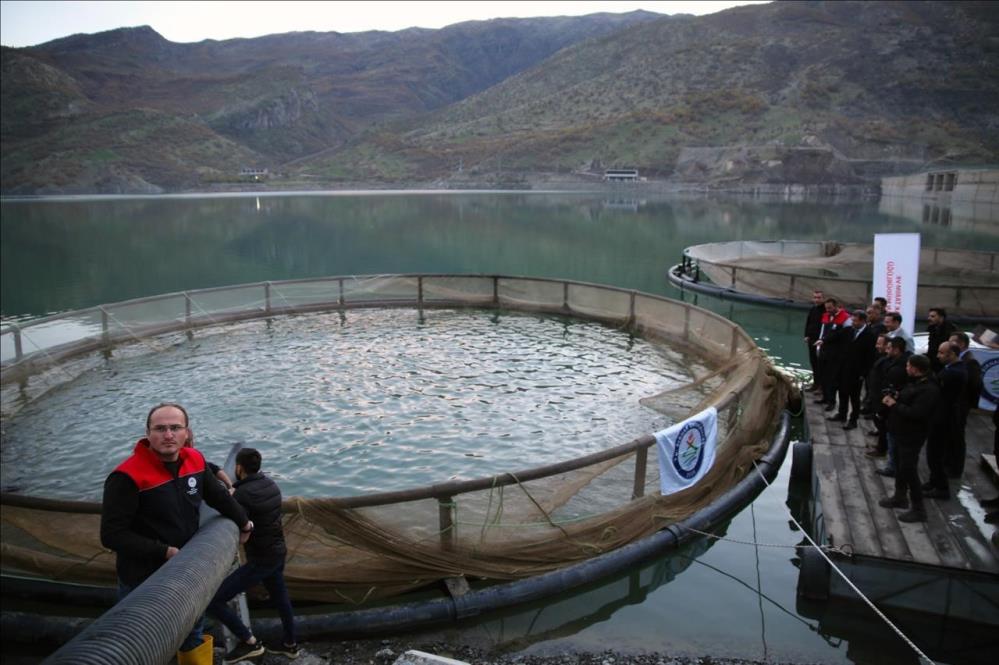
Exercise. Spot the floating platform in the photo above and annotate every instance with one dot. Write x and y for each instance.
(946, 566)
(785, 272)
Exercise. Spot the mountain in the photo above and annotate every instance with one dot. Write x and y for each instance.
(788, 92)
(76, 103)
(872, 86)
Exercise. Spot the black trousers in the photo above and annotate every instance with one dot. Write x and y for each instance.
(939, 447)
(813, 360)
(907, 471)
(954, 460)
(849, 391)
(829, 373)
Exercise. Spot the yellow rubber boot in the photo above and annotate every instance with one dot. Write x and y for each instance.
(200, 655)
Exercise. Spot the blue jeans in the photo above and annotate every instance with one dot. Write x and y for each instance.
(272, 577)
(192, 640)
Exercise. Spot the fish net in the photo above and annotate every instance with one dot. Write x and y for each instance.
(512, 525)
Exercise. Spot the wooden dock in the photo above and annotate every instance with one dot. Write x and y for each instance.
(847, 490)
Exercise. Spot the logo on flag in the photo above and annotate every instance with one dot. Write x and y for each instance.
(687, 450)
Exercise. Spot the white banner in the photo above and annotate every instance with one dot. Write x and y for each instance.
(989, 359)
(687, 450)
(896, 274)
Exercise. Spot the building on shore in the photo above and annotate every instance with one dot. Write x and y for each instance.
(965, 199)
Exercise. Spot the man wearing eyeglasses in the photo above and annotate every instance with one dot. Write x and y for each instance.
(152, 503)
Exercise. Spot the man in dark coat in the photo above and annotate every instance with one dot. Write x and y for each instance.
(908, 422)
(813, 326)
(940, 330)
(943, 430)
(954, 463)
(265, 555)
(896, 377)
(829, 349)
(857, 358)
(874, 381)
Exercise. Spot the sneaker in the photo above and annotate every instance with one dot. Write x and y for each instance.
(244, 651)
(288, 650)
(852, 424)
(830, 406)
(887, 473)
(839, 417)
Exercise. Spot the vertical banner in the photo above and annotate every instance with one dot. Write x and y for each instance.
(989, 359)
(896, 274)
(687, 450)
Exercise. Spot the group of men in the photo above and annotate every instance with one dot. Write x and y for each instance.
(911, 399)
(151, 509)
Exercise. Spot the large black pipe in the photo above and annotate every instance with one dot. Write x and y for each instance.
(151, 622)
(407, 616)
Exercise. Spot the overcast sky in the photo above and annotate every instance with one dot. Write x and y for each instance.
(30, 23)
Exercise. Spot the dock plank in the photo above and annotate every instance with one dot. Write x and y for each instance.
(849, 491)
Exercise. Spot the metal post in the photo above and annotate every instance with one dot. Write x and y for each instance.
(339, 299)
(641, 461)
(187, 309)
(444, 504)
(267, 297)
(565, 296)
(419, 294)
(105, 334)
(18, 353)
(495, 291)
(631, 311)
(733, 277)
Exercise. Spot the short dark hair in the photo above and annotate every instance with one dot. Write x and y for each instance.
(895, 316)
(162, 405)
(832, 300)
(941, 312)
(249, 459)
(962, 339)
(860, 314)
(920, 362)
(897, 342)
(882, 301)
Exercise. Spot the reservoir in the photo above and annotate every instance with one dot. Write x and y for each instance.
(724, 598)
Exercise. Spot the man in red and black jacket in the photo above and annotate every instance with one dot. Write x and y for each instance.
(152, 501)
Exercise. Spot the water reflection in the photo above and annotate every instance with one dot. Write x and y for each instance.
(964, 216)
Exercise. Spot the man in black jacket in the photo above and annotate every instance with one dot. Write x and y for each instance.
(954, 464)
(940, 330)
(813, 326)
(895, 378)
(152, 501)
(952, 380)
(265, 553)
(908, 421)
(857, 358)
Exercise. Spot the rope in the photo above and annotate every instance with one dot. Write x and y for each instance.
(868, 601)
(707, 534)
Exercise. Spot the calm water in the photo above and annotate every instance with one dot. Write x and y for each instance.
(63, 255)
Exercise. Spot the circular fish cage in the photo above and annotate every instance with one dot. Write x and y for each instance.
(550, 527)
(785, 272)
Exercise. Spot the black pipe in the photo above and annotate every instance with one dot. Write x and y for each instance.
(150, 623)
(407, 616)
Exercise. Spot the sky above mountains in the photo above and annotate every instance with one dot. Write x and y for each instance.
(34, 22)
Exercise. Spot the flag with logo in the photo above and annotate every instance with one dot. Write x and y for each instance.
(687, 450)
(989, 360)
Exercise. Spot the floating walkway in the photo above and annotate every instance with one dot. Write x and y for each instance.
(947, 565)
(785, 272)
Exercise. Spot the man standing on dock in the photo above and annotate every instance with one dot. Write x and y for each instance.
(813, 327)
(940, 330)
(952, 380)
(858, 356)
(954, 464)
(829, 349)
(908, 421)
(893, 325)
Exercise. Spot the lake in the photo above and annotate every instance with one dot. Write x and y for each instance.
(723, 598)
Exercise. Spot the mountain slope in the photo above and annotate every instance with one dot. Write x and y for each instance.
(267, 100)
(873, 81)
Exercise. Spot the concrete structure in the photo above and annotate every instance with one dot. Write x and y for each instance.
(962, 199)
(621, 175)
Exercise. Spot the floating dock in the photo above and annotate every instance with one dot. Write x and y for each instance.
(946, 566)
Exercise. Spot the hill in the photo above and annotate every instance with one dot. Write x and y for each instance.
(77, 103)
(789, 92)
(882, 87)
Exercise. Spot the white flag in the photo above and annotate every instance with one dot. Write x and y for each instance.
(687, 450)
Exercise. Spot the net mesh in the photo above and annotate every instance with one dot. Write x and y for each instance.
(514, 525)
(963, 280)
